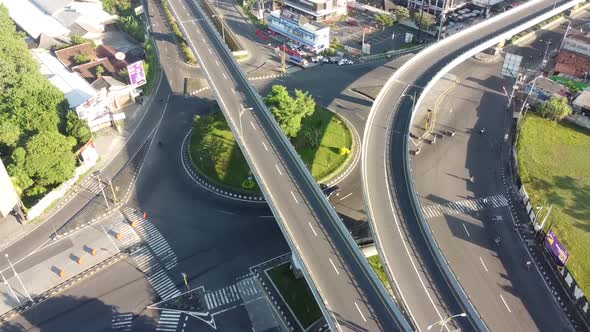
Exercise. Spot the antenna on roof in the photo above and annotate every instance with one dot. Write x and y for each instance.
(120, 56)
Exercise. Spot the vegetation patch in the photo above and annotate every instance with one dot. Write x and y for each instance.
(297, 294)
(186, 51)
(553, 159)
(572, 85)
(319, 136)
(377, 266)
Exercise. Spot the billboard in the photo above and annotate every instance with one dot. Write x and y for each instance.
(136, 74)
(556, 249)
(8, 197)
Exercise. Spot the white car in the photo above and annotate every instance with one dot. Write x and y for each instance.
(318, 58)
(344, 61)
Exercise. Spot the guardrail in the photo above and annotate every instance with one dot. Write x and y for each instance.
(310, 182)
(390, 54)
(443, 263)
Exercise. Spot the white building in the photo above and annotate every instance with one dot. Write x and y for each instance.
(577, 43)
(299, 29)
(317, 10)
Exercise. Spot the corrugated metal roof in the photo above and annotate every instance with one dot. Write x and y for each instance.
(74, 87)
(33, 20)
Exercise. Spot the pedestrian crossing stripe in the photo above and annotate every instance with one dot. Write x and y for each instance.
(231, 294)
(122, 321)
(168, 321)
(163, 285)
(154, 239)
(464, 206)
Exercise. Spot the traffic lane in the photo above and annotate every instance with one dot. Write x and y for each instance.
(229, 105)
(90, 305)
(409, 277)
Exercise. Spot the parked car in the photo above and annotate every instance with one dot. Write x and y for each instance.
(345, 61)
(329, 191)
(352, 23)
(318, 58)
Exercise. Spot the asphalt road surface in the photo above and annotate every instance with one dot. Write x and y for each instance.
(392, 210)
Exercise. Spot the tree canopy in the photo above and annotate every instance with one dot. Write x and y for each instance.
(385, 20)
(401, 13)
(37, 135)
(289, 111)
(426, 21)
(556, 108)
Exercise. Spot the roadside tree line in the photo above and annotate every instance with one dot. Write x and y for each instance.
(38, 133)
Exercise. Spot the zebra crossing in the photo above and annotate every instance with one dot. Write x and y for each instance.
(168, 320)
(230, 295)
(464, 206)
(144, 260)
(92, 186)
(163, 285)
(122, 322)
(153, 238)
(128, 235)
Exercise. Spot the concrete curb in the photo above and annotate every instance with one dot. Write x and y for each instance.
(205, 184)
(356, 143)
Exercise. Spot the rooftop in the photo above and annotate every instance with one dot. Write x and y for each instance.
(75, 88)
(33, 20)
(67, 55)
(89, 70)
(548, 85)
(579, 37)
(572, 63)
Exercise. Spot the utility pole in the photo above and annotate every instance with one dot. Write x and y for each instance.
(569, 26)
(443, 16)
(97, 176)
(18, 277)
(420, 21)
(113, 191)
(283, 60)
(544, 62)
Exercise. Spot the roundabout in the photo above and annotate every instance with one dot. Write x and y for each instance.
(211, 156)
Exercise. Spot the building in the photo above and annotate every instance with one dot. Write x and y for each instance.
(582, 103)
(543, 89)
(57, 18)
(572, 64)
(577, 43)
(299, 29)
(435, 7)
(317, 10)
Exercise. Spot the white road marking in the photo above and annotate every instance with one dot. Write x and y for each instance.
(264, 146)
(226, 212)
(360, 312)
(251, 123)
(295, 198)
(334, 266)
(233, 91)
(466, 231)
(482, 263)
(210, 52)
(217, 63)
(278, 170)
(203, 39)
(345, 197)
(502, 297)
(312, 229)
(225, 77)
(360, 117)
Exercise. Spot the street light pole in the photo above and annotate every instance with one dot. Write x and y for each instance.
(569, 26)
(443, 323)
(544, 62)
(240, 117)
(18, 277)
(420, 21)
(443, 16)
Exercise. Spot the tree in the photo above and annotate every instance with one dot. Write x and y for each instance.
(99, 70)
(77, 128)
(426, 22)
(77, 40)
(81, 58)
(385, 20)
(9, 133)
(556, 109)
(49, 158)
(288, 111)
(401, 13)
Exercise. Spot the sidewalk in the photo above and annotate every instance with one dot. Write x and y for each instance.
(71, 255)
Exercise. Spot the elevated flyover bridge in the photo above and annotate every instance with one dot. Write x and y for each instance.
(414, 264)
(349, 293)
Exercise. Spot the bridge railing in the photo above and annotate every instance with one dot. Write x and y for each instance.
(443, 263)
(310, 182)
